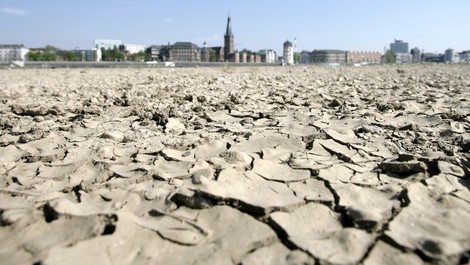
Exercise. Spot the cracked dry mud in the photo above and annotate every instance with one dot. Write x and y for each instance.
(297, 165)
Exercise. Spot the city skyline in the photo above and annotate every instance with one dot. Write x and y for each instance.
(361, 25)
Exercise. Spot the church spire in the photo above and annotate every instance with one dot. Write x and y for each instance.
(229, 47)
(229, 32)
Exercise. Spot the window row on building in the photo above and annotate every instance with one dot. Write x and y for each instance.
(12, 52)
(340, 57)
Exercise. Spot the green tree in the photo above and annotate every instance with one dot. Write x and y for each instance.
(105, 56)
(50, 53)
(213, 57)
(389, 57)
(147, 56)
(108, 54)
(69, 56)
(120, 56)
(33, 56)
(112, 54)
(117, 54)
(296, 57)
(138, 57)
(248, 52)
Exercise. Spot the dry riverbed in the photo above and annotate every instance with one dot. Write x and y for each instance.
(252, 165)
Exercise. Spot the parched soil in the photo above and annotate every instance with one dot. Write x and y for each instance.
(249, 165)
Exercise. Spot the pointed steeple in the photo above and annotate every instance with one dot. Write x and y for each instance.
(229, 47)
(229, 32)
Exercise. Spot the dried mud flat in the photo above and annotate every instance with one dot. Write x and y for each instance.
(297, 165)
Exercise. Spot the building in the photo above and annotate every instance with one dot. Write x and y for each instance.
(363, 57)
(243, 57)
(217, 54)
(288, 53)
(107, 44)
(205, 54)
(250, 58)
(229, 41)
(12, 52)
(432, 57)
(257, 58)
(305, 57)
(465, 56)
(153, 52)
(233, 57)
(83, 55)
(415, 55)
(456, 58)
(399, 46)
(185, 52)
(267, 56)
(329, 56)
(165, 53)
(403, 58)
(449, 55)
(400, 49)
(131, 48)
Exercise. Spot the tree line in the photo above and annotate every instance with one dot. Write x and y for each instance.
(52, 53)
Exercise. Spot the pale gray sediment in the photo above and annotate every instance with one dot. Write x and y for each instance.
(294, 165)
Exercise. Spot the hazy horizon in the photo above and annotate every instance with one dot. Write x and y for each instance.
(348, 25)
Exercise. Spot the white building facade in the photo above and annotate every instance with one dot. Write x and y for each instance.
(288, 53)
(107, 44)
(133, 48)
(403, 58)
(268, 56)
(12, 52)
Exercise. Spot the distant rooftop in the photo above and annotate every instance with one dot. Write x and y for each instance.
(10, 46)
(330, 51)
(184, 45)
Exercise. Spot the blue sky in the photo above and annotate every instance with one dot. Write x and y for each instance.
(368, 25)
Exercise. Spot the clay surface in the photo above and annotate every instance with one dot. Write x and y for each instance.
(249, 165)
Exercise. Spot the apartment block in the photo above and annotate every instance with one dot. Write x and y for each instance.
(268, 56)
(185, 52)
(399, 46)
(363, 57)
(12, 52)
(329, 56)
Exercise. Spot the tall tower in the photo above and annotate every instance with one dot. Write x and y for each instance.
(288, 53)
(229, 43)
